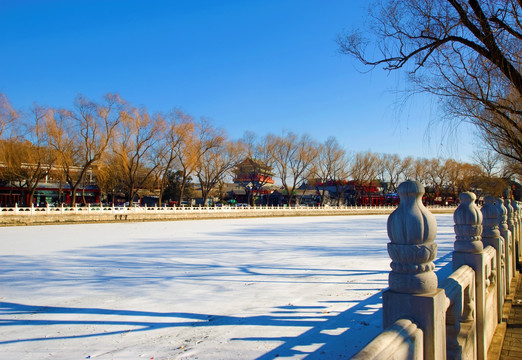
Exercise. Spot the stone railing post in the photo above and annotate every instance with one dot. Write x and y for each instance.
(469, 251)
(511, 227)
(519, 204)
(508, 247)
(413, 291)
(516, 226)
(491, 237)
(520, 228)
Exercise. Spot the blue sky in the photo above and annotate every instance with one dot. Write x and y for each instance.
(252, 65)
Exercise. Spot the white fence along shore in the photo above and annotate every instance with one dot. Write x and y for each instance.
(38, 215)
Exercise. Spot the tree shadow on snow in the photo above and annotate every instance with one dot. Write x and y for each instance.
(336, 332)
(328, 335)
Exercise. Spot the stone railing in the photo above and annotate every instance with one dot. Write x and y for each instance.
(100, 209)
(402, 340)
(458, 319)
(459, 289)
(39, 215)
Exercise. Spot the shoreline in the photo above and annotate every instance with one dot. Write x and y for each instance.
(202, 214)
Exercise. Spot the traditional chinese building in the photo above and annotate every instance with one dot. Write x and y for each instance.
(254, 172)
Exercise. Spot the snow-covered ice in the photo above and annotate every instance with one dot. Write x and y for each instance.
(302, 287)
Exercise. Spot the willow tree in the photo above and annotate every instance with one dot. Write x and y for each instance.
(179, 128)
(30, 159)
(8, 115)
(293, 159)
(196, 141)
(330, 160)
(81, 137)
(216, 163)
(467, 52)
(364, 170)
(133, 143)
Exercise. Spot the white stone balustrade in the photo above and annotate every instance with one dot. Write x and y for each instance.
(92, 213)
(459, 289)
(469, 251)
(491, 237)
(459, 318)
(413, 292)
(508, 240)
(517, 229)
(511, 227)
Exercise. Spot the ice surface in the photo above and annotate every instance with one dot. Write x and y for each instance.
(302, 287)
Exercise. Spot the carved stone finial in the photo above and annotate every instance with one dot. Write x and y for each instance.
(509, 208)
(468, 225)
(412, 229)
(502, 215)
(491, 218)
(516, 208)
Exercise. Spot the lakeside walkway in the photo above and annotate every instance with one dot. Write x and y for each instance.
(512, 342)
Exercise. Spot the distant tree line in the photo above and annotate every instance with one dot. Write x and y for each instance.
(128, 151)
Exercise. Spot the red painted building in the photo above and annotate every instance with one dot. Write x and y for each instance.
(254, 172)
(47, 193)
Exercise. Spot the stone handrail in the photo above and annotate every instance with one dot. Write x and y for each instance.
(402, 340)
(459, 288)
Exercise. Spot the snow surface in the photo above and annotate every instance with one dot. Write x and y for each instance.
(303, 287)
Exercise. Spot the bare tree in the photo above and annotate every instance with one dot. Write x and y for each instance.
(331, 160)
(493, 178)
(437, 171)
(108, 173)
(394, 169)
(293, 159)
(191, 148)
(418, 171)
(179, 127)
(8, 115)
(80, 138)
(489, 161)
(134, 140)
(464, 51)
(216, 163)
(259, 161)
(511, 169)
(30, 160)
(468, 179)
(340, 175)
(364, 171)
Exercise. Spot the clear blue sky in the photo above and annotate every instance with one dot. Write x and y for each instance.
(249, 65)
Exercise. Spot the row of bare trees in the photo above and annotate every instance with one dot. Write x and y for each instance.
(130, 150)
(299, 161)
(126, 147)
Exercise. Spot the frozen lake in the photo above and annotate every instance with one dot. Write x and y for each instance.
(303, 287)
